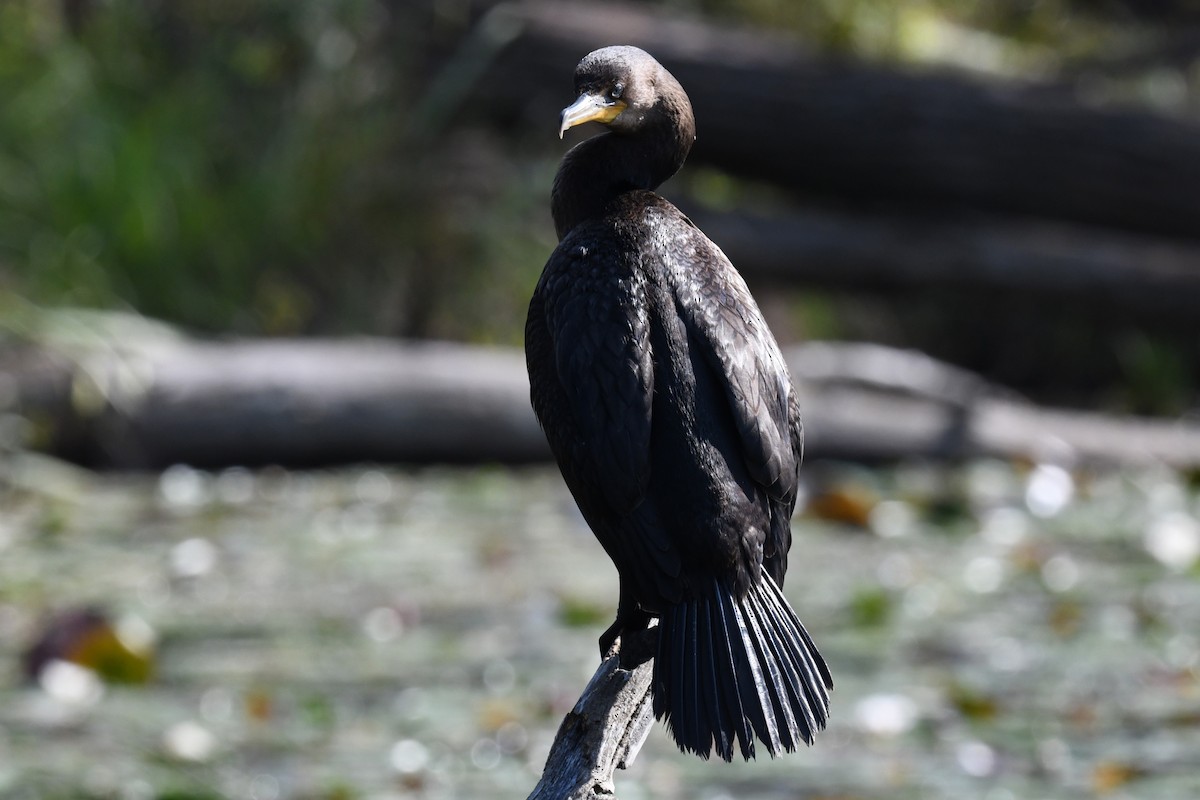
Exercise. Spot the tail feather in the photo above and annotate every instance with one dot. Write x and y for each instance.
(719, 723)
(806, 691)
(749, 675)
(677, 651)
(736, 668)
(769, 643)
(727, 685)
(702, 727)
(761, 640)
(815, 680)
(797, 674)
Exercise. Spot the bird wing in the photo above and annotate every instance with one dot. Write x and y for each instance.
(725, 323)
(596, 319)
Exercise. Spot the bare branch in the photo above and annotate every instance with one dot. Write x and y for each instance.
(605, 730)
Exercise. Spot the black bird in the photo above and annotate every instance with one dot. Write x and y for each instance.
(671, 414)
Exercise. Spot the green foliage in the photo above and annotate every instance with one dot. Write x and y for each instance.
(182, 159)
(1158, 376)
(577, 613)
(224, 165)
(972, 703)
(1010, 35)
(871, 608)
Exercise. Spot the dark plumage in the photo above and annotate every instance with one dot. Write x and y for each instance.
(673, 419)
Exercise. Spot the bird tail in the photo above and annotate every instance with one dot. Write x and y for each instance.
(731, 668)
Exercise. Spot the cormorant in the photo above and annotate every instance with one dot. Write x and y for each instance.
(671, 414)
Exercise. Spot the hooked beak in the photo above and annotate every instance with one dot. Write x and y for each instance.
(590, 108)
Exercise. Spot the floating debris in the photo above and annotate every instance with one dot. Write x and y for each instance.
(408, 756)
(183, 488)
(976, 758)
(85, 637)
(189, 741)
(886, 714)
(1174, 539)
(192, 558)
(1060, 573)
(1049, 490)
(984, 574)
(70, 683)
(383, 624)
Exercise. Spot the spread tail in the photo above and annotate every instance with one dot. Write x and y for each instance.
(731, 668)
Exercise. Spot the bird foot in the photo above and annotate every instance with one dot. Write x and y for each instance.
(629, 638)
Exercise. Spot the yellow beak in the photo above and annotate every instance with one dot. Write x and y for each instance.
(590, 108)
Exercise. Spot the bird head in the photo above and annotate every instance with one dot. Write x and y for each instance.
(621, 87)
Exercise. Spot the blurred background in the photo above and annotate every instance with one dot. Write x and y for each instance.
(264, 268)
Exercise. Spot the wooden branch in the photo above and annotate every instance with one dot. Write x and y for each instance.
(766, 109)
(149, 404)
(605, 730)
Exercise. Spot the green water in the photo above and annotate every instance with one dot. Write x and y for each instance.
(377, 633)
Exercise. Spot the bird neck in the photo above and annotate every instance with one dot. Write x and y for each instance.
(597, 171)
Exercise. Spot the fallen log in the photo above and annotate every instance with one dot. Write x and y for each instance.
(293, 402)
(861, 133)
(1137, 277)
(148, 404)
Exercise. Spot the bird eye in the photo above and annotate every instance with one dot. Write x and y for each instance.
(615, 92)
